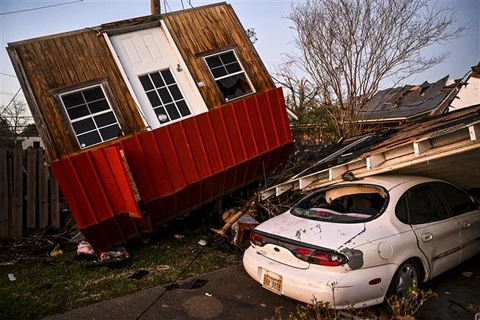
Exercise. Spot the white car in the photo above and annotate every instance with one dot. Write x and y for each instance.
(352, 243)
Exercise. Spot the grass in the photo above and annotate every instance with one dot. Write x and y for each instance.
(47, 285)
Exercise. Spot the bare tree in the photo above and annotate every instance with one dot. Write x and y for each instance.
(13, 120)
(347, 47)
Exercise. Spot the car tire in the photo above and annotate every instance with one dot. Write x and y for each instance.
(405, 278)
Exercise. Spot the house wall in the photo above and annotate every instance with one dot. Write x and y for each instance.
(48, 65)
(202, 31)
(59, 63)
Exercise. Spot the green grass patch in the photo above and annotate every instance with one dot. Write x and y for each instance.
(47, 285)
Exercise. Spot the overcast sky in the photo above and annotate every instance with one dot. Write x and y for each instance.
(267, 17)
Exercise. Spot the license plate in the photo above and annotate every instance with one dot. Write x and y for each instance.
(272, 281)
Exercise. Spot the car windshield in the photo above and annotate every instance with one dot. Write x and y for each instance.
(352, 203)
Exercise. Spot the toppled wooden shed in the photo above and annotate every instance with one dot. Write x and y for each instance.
(169, 111)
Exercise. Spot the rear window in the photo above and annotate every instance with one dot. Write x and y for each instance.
(352, 203)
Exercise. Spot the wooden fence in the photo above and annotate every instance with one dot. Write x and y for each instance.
(29, 194)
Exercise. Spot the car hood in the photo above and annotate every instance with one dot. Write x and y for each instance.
(328, 235)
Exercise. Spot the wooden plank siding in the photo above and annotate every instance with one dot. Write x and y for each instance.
(198, 32)
(54, 64)
(51, 65)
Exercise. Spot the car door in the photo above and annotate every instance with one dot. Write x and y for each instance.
(436, 230)
(467, 211)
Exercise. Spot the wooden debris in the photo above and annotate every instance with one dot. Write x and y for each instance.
(231, 216)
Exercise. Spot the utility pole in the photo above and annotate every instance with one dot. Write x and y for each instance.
(155, 7)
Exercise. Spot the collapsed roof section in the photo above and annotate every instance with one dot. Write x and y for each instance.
(410, 102)
(446, 146)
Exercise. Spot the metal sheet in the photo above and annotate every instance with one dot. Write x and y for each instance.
(176, 168)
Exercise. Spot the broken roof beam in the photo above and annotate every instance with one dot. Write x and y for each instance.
(375, 160)
(281, 189)
(474, 131)
(420, 147)
(304, 182)
(335, 172)
(264, 195)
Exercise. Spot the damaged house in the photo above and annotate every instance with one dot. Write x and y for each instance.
(148, 118)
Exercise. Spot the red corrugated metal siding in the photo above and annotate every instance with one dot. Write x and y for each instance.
(176, 168)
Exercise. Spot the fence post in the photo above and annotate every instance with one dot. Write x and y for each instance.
(16, 219)
(31, 188)
(4, 207)
(42, 191)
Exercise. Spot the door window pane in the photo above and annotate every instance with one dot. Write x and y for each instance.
(457, 200)
(423, 206)
(165, 96)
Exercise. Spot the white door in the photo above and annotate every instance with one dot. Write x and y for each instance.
(159, 79)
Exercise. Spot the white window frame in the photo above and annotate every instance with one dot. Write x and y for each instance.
(97, 129)
(230, 74)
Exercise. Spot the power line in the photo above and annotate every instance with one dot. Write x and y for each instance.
(38, 8)
(18, 91)
(8, 75)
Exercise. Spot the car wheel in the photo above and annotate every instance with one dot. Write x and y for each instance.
(404, 280)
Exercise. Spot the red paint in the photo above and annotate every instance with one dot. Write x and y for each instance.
(176, 168)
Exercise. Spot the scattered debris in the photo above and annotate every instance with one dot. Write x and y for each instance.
(162, 267)
(12, 277)
(85, 249)
(244, 223)
(139, 274)
(56, 251)
(188, 285)
(179, 236)
(263, 305)
(231, 216)
(208, 294)
(467, 274)
(116, 254)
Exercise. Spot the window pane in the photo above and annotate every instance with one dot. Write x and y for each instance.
(176, 94)
(157, 80)
(78, 112)
(423, 206)
(219, 72)
(182, 106)
(213, 62)
(233, 67)
(89, 139)
(401, 210)
(165, 95)
(458, 201)
(162, 115)
(146, 83)
(73, 99)
(154, 99)
(93, 94)
(110, 132)
(172, 111)
(234, 86)
(98, 106)
(167, 76)
(228, 57)
(105, 119)
(83, 126)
